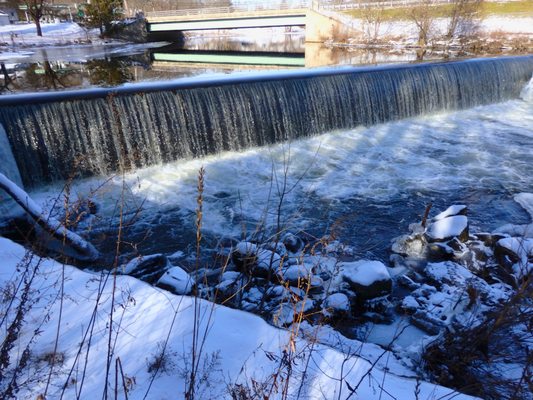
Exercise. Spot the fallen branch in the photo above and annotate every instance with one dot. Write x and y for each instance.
(85, 250)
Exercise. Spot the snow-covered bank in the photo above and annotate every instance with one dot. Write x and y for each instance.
(242, 346)
(60, 33)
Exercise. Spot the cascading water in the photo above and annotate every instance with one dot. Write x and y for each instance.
(132, 128)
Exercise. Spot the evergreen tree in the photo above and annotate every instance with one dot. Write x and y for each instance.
(101, 13)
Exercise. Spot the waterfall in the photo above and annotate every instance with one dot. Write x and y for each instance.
(8, 167)
(100, 131)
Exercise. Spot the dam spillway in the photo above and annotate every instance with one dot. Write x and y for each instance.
(99, 131)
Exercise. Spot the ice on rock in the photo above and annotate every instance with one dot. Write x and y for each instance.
(526, 201)
(458, 209)
(177, 280)
(448, 228)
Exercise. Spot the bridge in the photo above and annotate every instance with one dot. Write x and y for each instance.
(318, 21)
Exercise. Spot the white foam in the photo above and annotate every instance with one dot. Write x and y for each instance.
(440, 154)
(527, 92)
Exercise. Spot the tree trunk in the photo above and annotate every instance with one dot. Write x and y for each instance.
(85, 250)
(38, 26)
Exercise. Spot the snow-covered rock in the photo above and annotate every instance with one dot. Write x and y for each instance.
(448, 228)
(176, 280)
(297, 275)
(148, 268)
(369, 279)
(336, 304)
(451, 211)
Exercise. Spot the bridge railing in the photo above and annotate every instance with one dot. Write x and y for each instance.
(355, 5)
(239, 8)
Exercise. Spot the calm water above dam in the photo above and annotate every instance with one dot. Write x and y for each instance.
(44, 69)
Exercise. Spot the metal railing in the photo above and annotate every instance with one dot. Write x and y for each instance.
(239, 8)
(372, 4)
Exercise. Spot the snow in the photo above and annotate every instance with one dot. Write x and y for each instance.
(60, 33)
(238, 341)
(178, 279)
(447, 228)
(450, 211)
(365, 272)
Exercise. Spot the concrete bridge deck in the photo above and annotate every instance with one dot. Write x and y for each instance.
(305, 14)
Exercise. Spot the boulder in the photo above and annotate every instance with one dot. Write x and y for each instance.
(369, 279)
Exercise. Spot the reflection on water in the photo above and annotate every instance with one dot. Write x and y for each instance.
(111, 65)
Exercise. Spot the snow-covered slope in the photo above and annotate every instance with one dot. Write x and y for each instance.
(239, 347)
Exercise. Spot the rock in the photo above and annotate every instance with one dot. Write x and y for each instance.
(489, 239)
(177, 281)
(244, 256)
(317, 285)
(409, 304)
(369, 279)
(287, 313)
(254, 261)
(438, 252)
(297, 275)
(293, 243)
(409, 245)
(448, 228)
(451, 211)
(147, 268)
(515, 254)
(336, 304)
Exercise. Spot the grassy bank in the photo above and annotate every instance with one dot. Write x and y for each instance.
(518, 8)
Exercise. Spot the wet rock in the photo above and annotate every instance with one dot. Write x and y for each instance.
(369, 279)
(448, 228)
(176, 280)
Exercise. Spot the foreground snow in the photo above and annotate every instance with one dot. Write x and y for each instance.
(240, 346)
